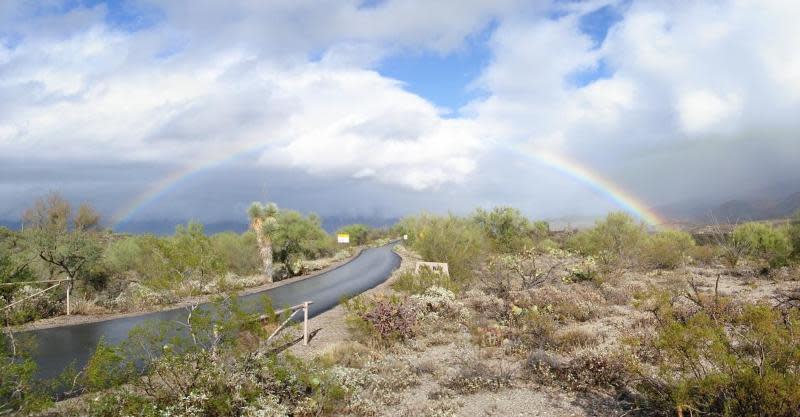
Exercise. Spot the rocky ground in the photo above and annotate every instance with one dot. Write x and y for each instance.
(463, 362)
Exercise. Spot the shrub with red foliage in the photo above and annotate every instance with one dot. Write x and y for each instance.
(391, 320)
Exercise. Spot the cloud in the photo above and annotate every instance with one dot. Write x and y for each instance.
(675, 75)
(670, 98)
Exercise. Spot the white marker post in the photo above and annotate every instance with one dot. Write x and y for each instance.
(305, 323)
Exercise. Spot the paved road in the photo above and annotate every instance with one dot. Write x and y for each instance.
(58, 347)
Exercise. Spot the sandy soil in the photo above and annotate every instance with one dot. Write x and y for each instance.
(61, 321)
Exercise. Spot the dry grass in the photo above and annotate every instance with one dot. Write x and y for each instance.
(577, 338)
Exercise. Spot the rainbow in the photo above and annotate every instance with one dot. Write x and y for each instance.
(601, 185)
(171, 181)
(567, 167)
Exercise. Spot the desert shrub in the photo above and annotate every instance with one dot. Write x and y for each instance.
(391, 320)
(457, 241)
(747, 366)
(124, 254)
(412, 283)
(19, 389)
(578, 338)
(489, 305)
(13, 265)
(380, 320)
(506, 228)
(300, 236)
(167, 262)
(765, 242)
(349, 354)
(591, 370)
(793, 231)
(44, 305)
(438, 302)
(254, 386)
(106, 368)
(238, 252)
(506, 273)
(666, 249)
(359, 233)
(475, 375)
(584, 270)
(705, 255)
(579, 302)
(614, 240)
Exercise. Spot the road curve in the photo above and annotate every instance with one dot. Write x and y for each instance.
(59, 346)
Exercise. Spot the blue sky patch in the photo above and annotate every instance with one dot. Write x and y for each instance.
(120, 14)
(443, 80)
(584, 77)
(597, 23)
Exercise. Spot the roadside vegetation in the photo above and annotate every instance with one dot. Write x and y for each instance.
(108, 272)
(612, 320)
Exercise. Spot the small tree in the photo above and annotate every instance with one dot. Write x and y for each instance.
(264, 223)
(459, 242)
(13, 266)
(70, 250)
(358, 233)
(616, 239)
(764, 242)
(298, 237)
(667, 249)
(507, 229)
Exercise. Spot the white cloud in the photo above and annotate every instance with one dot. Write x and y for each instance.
(701, 111)
(208, 78)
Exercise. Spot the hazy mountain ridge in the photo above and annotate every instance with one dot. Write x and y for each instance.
(735, 210)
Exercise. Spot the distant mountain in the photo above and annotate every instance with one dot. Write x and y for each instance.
(333, 223)
(167, 226)
(10, 224)
(735, 210)
(788, 206)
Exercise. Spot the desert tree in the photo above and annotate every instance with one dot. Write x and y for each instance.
(69, 244)
(263, 221)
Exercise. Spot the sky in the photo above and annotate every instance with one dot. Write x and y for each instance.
(174, 110)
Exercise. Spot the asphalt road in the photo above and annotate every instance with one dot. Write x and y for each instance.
(57, 347)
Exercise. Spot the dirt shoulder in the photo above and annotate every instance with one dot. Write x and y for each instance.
(62, 321)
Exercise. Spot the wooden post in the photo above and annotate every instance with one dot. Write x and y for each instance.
(69, 287)
(305, 323)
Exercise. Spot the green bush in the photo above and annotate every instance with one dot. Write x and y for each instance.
(19, 389)
(13, 267)
(615, 240)
(165, 262)
(764, 242)
(412, 283)
(106, 368)
(457, 241)
(300, 235)
(359, 233)
(506, 228)
(238, 252)
(793, 231)
(748, 366)
(124, 254)
(666, 249)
